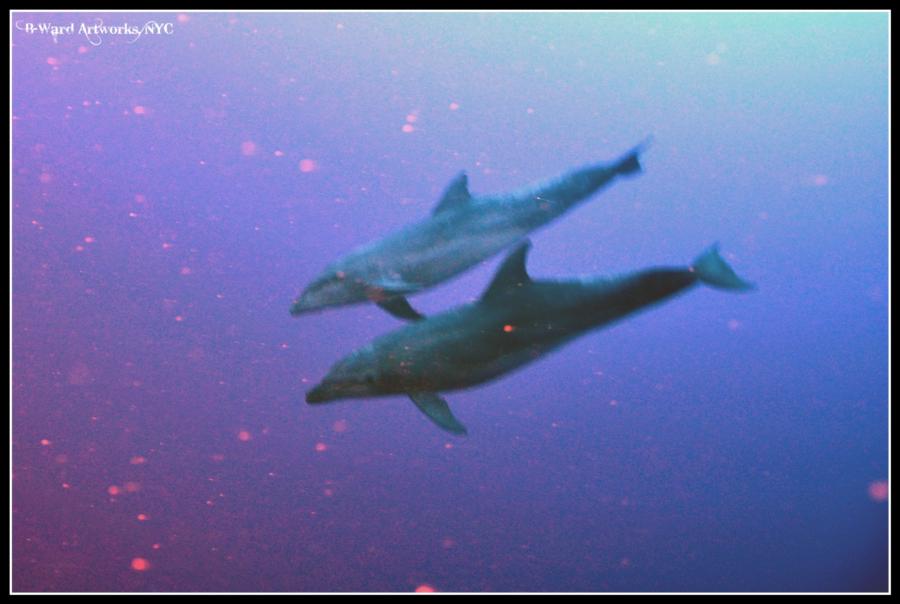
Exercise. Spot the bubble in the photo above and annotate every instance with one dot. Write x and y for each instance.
(878, 491)
(140, 564)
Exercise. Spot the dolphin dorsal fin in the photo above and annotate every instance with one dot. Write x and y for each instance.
(456, 194)
(511, 274)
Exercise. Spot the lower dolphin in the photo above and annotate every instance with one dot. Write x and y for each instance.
(516, 321)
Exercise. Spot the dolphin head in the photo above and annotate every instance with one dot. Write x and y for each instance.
(355, 376)
(333, 288)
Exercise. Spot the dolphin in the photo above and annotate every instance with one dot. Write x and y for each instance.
(515, 322)
(461, 232)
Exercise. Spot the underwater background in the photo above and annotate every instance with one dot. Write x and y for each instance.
(174, 191)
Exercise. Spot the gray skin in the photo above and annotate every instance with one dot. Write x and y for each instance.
(461, 232)
(516, 322)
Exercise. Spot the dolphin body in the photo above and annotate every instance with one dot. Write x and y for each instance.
(515, 322)
(461, 232)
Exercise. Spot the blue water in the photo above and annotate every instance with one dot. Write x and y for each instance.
(173, 192)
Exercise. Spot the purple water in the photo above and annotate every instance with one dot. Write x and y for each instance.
(174, 191)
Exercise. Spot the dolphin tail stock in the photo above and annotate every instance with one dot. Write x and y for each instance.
(630, 162)
(712, 270)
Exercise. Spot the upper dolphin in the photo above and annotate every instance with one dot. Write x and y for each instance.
(515, 322)
(461, 232)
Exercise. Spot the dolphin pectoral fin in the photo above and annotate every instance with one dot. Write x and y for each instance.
(456, 194)
(400, 307)
(437, 411)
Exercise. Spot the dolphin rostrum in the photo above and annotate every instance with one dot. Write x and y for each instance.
(461, 232)
(515, 322)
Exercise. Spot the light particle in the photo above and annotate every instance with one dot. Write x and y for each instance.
(140, 564)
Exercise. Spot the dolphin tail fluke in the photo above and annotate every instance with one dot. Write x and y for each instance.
(630, 162)
(712, 269)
